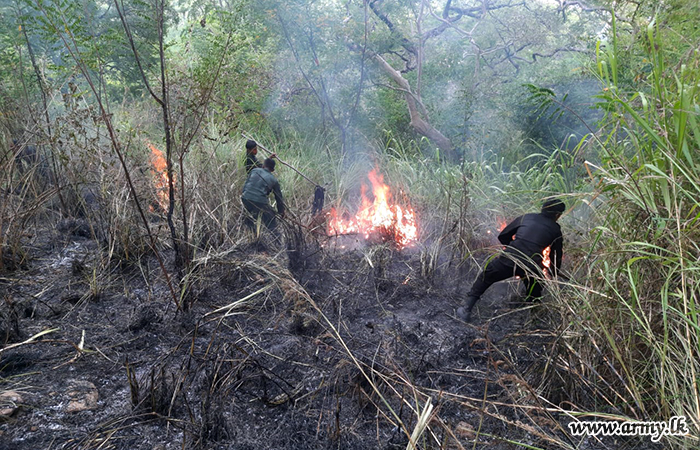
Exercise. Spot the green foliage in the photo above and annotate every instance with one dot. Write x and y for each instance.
(641, 306)
(65, 29)
(552, 122)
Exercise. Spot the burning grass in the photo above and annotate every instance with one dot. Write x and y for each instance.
(345, 350)
(159, 174)
(379, 215)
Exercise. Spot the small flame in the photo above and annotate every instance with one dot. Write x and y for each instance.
(159, 171)
(380, 216)
(546, 261)
(501, 224)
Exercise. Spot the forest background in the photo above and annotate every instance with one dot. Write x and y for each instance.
(475, 110)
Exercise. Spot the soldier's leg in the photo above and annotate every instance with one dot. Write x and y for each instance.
(533, 288)
(250, 214)
(269, 219)
(256, 211)
(497, 270)
(531, 274)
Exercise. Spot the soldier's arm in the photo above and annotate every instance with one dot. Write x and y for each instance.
(278, 198)
(506, 236)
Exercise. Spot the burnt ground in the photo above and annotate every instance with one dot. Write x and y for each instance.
(332, 349)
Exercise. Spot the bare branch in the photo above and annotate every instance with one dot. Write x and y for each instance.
(446, 23)
(475, 12)
(130, 38)
(583, 6)
(405, 42)
(478, 12)
(418, 123)
(558, 50)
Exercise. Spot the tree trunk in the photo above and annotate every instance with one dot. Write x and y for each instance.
(417, 111)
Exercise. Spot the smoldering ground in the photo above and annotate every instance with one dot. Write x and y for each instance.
(344, 350)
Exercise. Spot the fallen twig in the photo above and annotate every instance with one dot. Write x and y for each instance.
(30, 340)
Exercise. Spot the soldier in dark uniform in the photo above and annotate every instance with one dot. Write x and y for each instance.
(251, 161)
(260, 183)
(525, 239)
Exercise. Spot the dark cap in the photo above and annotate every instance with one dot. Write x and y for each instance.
(553, 206)
(251, 144)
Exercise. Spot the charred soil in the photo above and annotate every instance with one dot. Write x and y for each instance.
(316, 348)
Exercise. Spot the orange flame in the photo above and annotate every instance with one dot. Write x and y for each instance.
(501, 224)
(546, 261)
(159, 171)
(390, 221)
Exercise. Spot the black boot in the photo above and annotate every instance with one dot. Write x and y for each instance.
(465, 312)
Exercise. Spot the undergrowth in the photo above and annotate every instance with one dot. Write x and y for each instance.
(623, 320)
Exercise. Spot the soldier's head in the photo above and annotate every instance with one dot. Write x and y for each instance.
(251, 147)
(269, 164)
(553, 208)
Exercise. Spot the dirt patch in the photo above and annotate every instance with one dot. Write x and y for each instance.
(333, 348)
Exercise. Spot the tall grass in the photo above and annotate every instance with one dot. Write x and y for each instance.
(632, 308)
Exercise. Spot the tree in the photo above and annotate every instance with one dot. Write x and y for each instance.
(442, 60)
(496, 38)
(182, 114)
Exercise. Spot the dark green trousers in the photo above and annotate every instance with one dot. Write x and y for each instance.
(262, 210)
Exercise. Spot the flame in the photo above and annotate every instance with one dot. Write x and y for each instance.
(546, 261)
(501, 224)
(378, 216)
(159, 171)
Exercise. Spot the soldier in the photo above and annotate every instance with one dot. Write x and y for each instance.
(251, 161)
(260, 183)
(525, 239)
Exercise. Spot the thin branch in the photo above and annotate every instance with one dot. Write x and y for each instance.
(555, 51)
(188, 143)
(47, 118)
(326, 97)
(351, 115)
(478, 12)
(420, 50)
(285, 31)
(130, 38)
(165, 106)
